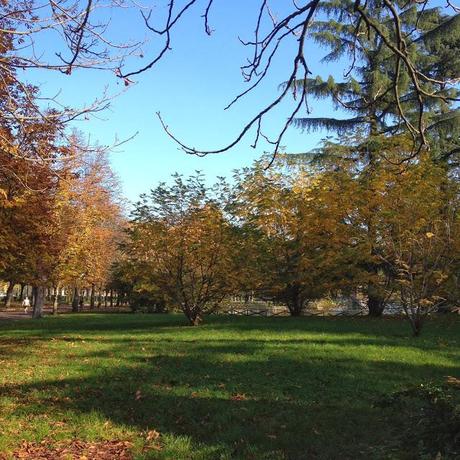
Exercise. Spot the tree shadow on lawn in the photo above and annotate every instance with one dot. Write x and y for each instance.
(273, 408)
(75, 324)
(385, 326)
(121, 322)
(446, 346)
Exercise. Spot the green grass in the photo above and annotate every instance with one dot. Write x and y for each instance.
(244, 388)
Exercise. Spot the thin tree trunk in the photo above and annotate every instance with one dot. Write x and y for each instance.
(111, 298)
(9, 294)
(375, 304)
(21, 294)
(75, 300)
(105, 299)
(296, 303)
(56, 300)
(38, 302)
(91, 299)
(415, 319)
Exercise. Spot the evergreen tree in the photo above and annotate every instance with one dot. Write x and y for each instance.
(377, 91)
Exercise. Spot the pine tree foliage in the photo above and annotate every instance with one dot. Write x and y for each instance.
(377, 91)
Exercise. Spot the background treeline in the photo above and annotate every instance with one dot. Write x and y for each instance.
(373, 212)
(60, 232)
(60, 207)
(297, 232)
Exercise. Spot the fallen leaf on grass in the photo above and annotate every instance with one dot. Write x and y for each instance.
(451, 380)
(152, 435)
(153, 441)
(73, 450)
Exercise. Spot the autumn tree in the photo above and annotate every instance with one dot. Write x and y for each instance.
(88, 209)
(27, 209)
(38, 160)
(401, 80)
(65, 219)
(378, 97)
(305, 237)
(183, 242)
(419, 227)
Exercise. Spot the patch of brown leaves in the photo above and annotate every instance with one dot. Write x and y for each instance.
(453, 381)
(239, 397)
(73, 450)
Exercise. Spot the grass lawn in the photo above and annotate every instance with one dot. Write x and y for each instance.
(243, 388)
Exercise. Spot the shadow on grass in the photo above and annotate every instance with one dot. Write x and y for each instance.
(269, 407)
(285, 331)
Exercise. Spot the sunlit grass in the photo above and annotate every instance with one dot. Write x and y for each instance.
(232, 388)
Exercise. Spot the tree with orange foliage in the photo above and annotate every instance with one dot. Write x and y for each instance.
(305, 236)
(419, 228)
(88, 209)
(182, 242)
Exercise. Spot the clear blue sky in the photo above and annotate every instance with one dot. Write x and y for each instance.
(190, 86)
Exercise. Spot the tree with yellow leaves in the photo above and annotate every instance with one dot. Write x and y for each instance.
(89, 212)
(419, 229)
(184, 245)
(306, 236)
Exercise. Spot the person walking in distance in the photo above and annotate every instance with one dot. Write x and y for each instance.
(26, 304)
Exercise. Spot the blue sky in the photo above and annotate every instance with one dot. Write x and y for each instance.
(190, 87)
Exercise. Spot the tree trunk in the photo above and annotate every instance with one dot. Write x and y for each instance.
(91, 298)
(111, 298)
(416, 322)
(56, 300)
(75, 300)
(99, 298)
(375, 303)
(375, 306)
(295, 304)
(193, 314)
(9, 294)
(195, 319)
(105, 299)
(38, 302)
(21, 295)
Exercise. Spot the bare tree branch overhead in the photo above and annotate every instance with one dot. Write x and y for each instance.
(57, 36)
(381, 19)
(81, 34)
